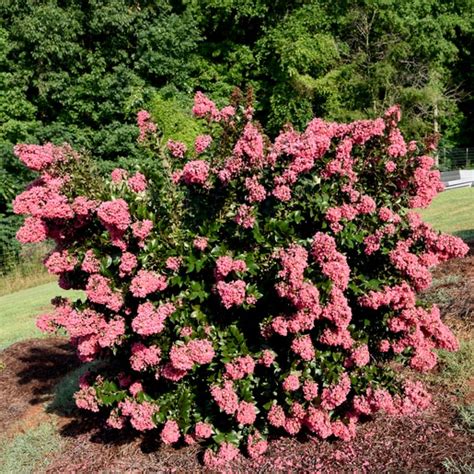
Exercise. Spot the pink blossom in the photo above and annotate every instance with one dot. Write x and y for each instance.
(227, 112)
(145, 125)
(150, 320)
(246, 413)
(195, 172)
(205, 107)
(170, 433)
(366, 205)
(128, 263)
(118, 175)
(256, 446)
(60, 262)
(135, 388)
(146, 282)
(239, 367)
(196, 351)
(360, 356)
(291, 383)
(303, 347)
(276, 416)
(90, 264)
(172, 373)
(140, 414)
(244, 216)
(267, 358)
(115, 420)
(141, 229)
(256, 192)
(225, 265)
(203, 430)
(250, 146)
(43, 201)
(83, 206)
(390, 166)
(177, 149)
(282, 192)
(231, 294)
(310, 390)
(201, 143)
(144, 357)
(137, 182)
(86, 399)
(173, 263)
(98, 291)
(39, 157)
(186, 331)
(227, 452)
(114, 214)
(200, 243)
(335, 395)
(318, 422)
(225, 397)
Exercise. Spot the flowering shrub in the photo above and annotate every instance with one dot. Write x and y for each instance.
(246, 287)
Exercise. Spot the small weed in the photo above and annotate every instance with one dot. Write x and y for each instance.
(28, 452)
(466, 418)
(456, 368)
(441, 290)
(457, 467)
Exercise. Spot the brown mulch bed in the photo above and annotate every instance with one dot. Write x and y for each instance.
(30, 369)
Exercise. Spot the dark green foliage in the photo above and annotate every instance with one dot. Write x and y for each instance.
(78, 71)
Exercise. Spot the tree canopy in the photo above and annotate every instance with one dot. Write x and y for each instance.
(78, 70)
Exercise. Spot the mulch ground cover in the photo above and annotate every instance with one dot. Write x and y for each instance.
(29, 371)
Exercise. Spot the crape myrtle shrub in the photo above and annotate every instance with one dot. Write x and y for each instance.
(245, 288)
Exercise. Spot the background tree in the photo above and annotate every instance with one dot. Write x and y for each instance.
(78, 70)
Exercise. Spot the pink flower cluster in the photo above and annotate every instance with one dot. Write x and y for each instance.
(98, 291)
(177, 149)
(195, 172)
(140, 414)
(232, 293)
(39, 157)
(146, 282)
(144, 357)
(138, 182)
(150, 320)
(201, 143)
(145, 125)
(114, 214)
(206, 108)
(197, 351)
(239, 367)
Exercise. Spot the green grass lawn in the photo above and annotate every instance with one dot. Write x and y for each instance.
(18, 311)
(453, 212)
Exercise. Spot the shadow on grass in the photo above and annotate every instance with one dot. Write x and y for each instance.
(467, 235)
(42, 366)
(48, 371)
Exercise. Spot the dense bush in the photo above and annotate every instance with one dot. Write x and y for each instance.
(243, 287)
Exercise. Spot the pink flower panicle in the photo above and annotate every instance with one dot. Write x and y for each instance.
(201, 143)
(145, 125)
(143, 357)
(146, 282)
(138, 182)
(39, 157)
(177, 149)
